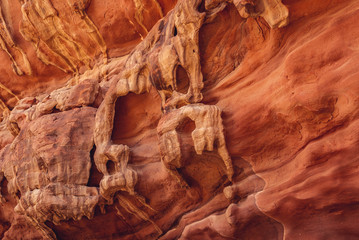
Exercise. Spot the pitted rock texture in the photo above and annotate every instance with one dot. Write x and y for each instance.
(48, 170)
(135, 164)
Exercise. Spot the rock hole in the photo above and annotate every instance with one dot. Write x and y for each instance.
(184, 131)
(55, 110)
(18, 194)
(95, 176)
(202, 7)
(182, 80)
(160, 27)
(127, 117)
(187, 126)
(175, 31)
(3, 187)
(133, 114)
(53, 227)
(110, 166)
(41, 164)
(250, 9)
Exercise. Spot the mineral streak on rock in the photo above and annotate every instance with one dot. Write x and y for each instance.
(43, 26)
(20, 62)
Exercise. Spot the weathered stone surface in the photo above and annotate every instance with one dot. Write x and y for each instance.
(48, 166)
(84, 35)
(207, 135)
(258, 126)
(50, 33)
(31, 108)
(20, 63)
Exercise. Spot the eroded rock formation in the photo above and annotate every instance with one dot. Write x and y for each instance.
(20, 63)
(42, 25)
(209, 124)
(36, 165)
(207, 136)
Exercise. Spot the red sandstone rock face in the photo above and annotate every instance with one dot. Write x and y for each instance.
(290, 105)
(292, 110)
(120, 23)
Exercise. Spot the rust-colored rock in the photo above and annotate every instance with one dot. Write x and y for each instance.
(20, 63)
(207, 135)
(51, 35)
(84, 36)
(49, 181)
(164, 119)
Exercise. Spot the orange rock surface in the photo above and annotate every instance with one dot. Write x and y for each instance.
(290, 115)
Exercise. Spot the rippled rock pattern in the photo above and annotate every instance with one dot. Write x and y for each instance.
(188, 119)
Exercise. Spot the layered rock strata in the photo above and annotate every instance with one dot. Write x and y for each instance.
(209, 124)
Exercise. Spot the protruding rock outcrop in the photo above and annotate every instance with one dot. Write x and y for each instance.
(207, 136)
(47, 168)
